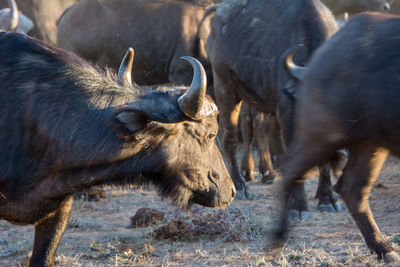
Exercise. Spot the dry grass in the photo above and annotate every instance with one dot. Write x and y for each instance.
(230, 225)
(98, 233)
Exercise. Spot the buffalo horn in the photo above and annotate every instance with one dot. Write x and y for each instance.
(294, 70)
(125, 69)
(13, 15)
(191, 102)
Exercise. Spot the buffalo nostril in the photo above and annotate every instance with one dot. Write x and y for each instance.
(215, 175)
(233, 192)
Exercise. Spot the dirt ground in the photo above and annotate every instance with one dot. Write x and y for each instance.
(98, 233)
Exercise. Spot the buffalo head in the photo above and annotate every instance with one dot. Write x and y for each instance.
(175, 132)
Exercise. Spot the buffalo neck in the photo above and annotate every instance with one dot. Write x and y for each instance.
(71, 119)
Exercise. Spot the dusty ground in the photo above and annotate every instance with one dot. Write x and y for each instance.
(238, 236)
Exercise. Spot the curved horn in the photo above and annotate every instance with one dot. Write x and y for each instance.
(125, 69)
(294, 70)
(191, 102)
(13, 15)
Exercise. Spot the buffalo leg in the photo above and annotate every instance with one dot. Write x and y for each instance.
(326, 200)
(297, 201)
(365, 163)
(247, 129)
(275, 141)
(293, 169)
(263, 124)
(229, 107)
(48, 233)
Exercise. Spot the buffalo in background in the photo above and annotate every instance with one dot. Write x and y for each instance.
(44, 14)
(160, 31)
(254, 130)
(12, 20)
(247, 38)
(348, 97)
(71, 126)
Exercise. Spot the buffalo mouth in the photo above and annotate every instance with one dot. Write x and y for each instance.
(209, 199)
(184, 193)
(183, 196)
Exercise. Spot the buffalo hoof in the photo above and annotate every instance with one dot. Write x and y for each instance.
(249, 194)
(268, 178)
(331, 207)
(299, 215)
(391, 257)
(278, 239)
(329, 204)
(244, 193)
(248, 175)
(298, 208)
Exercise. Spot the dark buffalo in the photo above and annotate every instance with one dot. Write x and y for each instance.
(247, 38)
(160, 31)
(12, 20)
(67, 126)
(44, 14)
(349, 97)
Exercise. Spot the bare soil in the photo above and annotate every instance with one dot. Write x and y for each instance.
(99, 233)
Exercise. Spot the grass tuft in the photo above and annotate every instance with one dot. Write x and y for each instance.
(230, 225)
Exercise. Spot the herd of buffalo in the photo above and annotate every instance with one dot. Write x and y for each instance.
(80, 107)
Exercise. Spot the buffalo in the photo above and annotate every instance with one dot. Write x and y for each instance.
(67, 126)
(160, 31)
(44, 14)
(348, 97)
(12, 20)
(246, 41)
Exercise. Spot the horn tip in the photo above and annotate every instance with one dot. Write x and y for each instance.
(130, 51)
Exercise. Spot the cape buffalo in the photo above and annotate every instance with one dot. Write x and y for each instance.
(160, 32)
(12, 20)
(349, 97)
(71, 126)
(44, 14)
(246, 40)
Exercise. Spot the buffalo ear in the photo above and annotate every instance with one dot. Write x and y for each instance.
(154, 106)
(132, 120)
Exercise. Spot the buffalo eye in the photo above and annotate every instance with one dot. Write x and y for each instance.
(211, 136)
